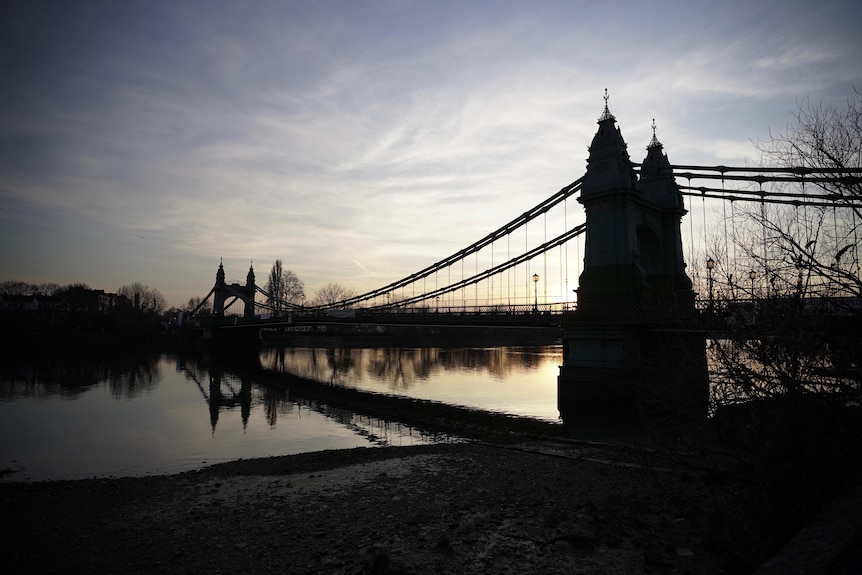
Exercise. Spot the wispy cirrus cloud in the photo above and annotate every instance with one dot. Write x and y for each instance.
(361, 141)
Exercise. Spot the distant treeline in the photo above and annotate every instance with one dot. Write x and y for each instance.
(28, 308)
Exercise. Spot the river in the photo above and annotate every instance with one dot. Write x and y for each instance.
(90, 415)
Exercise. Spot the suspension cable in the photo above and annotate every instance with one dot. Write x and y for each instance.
(506, 229)
(523, 258)
(846, 176)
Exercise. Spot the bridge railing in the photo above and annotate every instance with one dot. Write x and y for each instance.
(488, 309)
(780, 314)
(810, 305)
(426, 310)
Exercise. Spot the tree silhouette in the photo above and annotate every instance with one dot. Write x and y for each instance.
(283, 286)
(796, 331)
(143, 297)
(820, 243)
(331, 294)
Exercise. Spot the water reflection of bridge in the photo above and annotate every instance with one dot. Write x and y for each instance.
(398, 370)
(227, 392)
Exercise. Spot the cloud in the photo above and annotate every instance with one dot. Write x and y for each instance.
(360, 142)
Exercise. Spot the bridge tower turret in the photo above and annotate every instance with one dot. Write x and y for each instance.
(219, 292)
(611, 201)
(633, 241)
(250, 291)
(664, 262)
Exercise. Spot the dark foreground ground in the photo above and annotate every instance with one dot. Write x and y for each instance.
(458, 508)
(520, 506)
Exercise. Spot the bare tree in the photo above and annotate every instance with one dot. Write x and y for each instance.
(12, 287)
(822, 138)
(331, 294)
(275, 287)
(821, 242)
(283, 286)
(143, 297)
(48, 288)
(796, 332)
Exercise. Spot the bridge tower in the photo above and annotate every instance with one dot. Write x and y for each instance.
(222, 291)
(628, 351)
(250, 290)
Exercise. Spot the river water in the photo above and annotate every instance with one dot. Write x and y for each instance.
(88, 415)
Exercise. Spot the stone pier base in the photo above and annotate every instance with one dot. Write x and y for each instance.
(632, 374)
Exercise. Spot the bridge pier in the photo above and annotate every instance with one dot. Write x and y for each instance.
(633, 352)
(228, 337)
(630, 372)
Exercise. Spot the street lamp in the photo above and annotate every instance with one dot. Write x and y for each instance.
(710, 265)
(751, 275)
(536, 293)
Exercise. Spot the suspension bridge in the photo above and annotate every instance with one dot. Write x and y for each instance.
(625, 284)
(498, 275)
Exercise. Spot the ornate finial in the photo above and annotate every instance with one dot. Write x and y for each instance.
(220, 262)
(653, 143)
(606, 115)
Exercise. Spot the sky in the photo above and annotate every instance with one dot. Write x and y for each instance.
(360, 141)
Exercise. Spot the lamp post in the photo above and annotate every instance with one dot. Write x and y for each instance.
(751, 275)
(710, 265)
(535, 293)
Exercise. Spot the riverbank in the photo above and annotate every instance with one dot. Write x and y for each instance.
(529, 506)
(460, 508)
